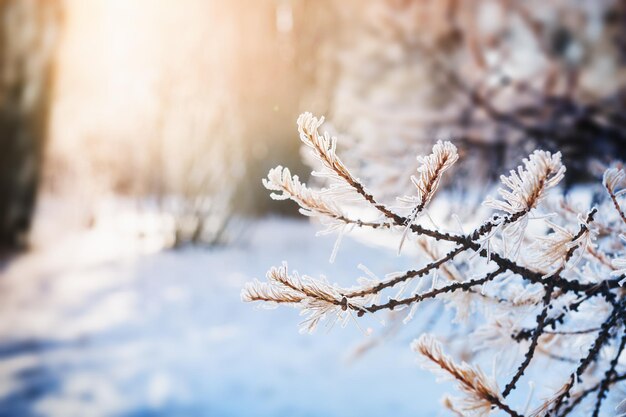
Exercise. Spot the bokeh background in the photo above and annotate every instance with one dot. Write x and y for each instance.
(135, 134)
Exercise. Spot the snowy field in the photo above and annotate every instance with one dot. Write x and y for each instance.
(100, 323)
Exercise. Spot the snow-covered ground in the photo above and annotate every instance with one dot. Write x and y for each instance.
(98, 323)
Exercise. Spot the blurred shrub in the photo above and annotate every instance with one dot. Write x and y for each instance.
(194, 96)
(498, 78)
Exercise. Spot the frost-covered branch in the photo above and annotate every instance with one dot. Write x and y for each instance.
(431, 170)
(545, 275)
(613, 178)
(481, 393)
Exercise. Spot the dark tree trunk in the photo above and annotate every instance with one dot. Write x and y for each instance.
(26, 44)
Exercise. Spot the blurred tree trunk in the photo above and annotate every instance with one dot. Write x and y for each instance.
(26, 42)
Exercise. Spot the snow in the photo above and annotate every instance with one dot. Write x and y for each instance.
(102, 323)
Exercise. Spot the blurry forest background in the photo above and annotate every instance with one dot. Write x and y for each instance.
(163, 104)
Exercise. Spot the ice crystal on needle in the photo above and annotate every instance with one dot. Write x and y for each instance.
(526, 187)
(523, 190)
(431, 170)
(481, 392)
